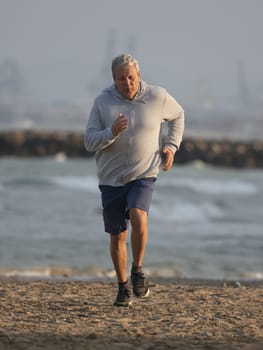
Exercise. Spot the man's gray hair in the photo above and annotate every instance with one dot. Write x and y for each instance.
(122, 60)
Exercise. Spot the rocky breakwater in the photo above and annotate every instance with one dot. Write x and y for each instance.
(230, 153)
(42, 144)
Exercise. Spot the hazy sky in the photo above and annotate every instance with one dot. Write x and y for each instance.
(192, 47)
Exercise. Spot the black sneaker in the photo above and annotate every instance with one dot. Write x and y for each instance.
(140, 288)
(123, 297)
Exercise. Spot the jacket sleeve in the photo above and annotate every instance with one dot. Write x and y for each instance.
(174, 116)
(96, 136)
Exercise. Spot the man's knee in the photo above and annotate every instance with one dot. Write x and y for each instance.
(138, 218)
(119, 238)
(137, 214)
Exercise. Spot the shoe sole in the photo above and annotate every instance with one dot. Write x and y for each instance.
(143, 296)
(147, 293)
(122, 305)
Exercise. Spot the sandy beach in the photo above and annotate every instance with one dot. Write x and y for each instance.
(179, 314)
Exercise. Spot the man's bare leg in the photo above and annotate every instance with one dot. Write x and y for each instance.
(118, 250)
(119, 256)
(139, 234)
(139, 237)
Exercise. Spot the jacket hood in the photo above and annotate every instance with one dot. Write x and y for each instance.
(139, 96)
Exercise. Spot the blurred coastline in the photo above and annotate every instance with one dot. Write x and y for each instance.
(62, 144)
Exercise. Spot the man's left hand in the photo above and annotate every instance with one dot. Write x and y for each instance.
(169, 159)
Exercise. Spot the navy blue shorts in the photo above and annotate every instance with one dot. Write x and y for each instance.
(118, 200)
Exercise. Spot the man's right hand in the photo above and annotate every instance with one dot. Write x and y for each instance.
(120, 125)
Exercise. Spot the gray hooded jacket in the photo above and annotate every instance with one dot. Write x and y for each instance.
(136, 153)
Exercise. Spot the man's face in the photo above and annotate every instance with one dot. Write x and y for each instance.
(127, 80)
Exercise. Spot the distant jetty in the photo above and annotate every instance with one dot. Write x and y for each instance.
(231, 153)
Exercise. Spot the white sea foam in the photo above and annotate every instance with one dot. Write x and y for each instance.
(60, 157)
(256, 275)
(88, 183)
(88, 273)
(58, 272)
(91, 273)
(211, 186)
(186, 212)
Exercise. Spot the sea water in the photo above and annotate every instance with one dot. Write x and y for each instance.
(204, 221)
